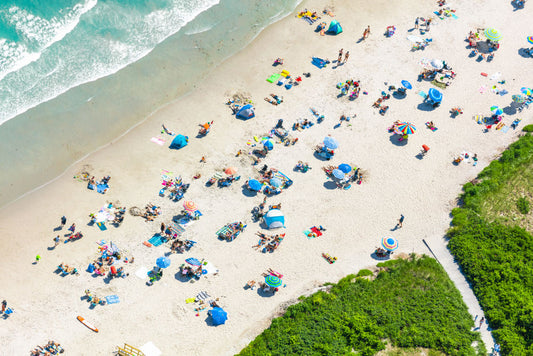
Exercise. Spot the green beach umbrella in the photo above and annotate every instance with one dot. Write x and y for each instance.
(493, 34)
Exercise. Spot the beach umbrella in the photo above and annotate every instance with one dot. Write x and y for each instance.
(268, 145)
(530, 39)
(273, 281)
(389, 243)
(191, 206)
(163, 262)
(254, 184)
(406, 128)
(276, 182)
(406, 84)
(218, 316)
(437, 63)
(518, 99)
(230, 170)
(345, 168)
(435, 95)
(496, 110)
(331, 143)
(525, 91)
(493, 34)
(415, 39)
(337, 173)
(193, 261)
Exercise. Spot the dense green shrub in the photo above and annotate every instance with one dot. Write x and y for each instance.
(412, 303)
(496, 259)
(528, 128)
(523, 205)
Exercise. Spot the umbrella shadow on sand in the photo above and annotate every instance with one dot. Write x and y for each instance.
(425, 107)
(395, 140)
(264, 293)
(247, 192)
(330, 185)
(523, 52)
(511, 109)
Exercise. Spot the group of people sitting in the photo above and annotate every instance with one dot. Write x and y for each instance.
(302, 167)
(309, 16)
(301, 124)
(226, 182)
(51, 348)
(176, 187)
(268, 243)
(191, 271)
(274, 99)
(181, 246)
(382, 253)
(329, 258)
(151, 212)
(347, 86)
(93, 299)
(380, 105)
(231, 231)
(65, 269)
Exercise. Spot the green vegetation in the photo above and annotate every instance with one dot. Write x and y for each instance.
(528, 128)
(491, 243)
(411, 303)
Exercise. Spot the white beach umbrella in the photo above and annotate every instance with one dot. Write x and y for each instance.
(437, 63)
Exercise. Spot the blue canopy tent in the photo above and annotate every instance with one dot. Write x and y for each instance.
(334, 27)
(274, 219)
(246, 112)
(179, 141)
(218, 316)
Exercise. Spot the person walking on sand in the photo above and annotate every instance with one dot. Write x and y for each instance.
(428, 22)
(475, 159)
(339, 59)
(56, 240)
(400, 221)
(162, 228)
(72, 228)
(481, 321)
(346, 56)
(366, 33)
(63, 221)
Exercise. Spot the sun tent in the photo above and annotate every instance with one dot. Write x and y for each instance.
(246, 112)
(334, 27)
(274, 219)
(179, 141)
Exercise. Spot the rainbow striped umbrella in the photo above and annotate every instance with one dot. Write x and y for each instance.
(273, 281)
(389, 243)
(406, 128)
(525, 91)
(530, 39)
(493, 34)
(518, 99)
(191, 206)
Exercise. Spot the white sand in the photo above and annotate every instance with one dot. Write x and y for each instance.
(424, 191)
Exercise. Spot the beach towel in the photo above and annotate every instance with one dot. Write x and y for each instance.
(455, 16)
(495, 76)
(422, 94)
(316, 231)
(208, 267)
(505, 129)
(190, 300)
(223, 231)
(158, 140)
(499, 126)
(101, 242)
(282, 81)
(101, 226)
(503, 92)
(431, 128)
(202, 296)
(273, 78)
(112, 299)
(101, 188)
(156, 240)
(142, 272)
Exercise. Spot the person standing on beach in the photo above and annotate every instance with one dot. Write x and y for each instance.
(428, 22)
(475, 159)
(481, 321)
(366, 33)
(72, 228)
(346, 56)
(339, 59)
(56, 240)
(416, 23)
(400, 221)
(162, 228)
(63, 221)
(4, 305)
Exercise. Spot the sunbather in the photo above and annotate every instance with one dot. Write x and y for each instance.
(271, 101)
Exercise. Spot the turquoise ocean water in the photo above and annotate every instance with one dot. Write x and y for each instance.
(74, 74)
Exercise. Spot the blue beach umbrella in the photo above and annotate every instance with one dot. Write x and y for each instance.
(331, 143)
(493, 34)
(273, 281)
(254, 184)
(268, 145)
(406, 84)
(337, 173)
(276, 182)
(435, 95)
(163, 262)
(218, 316)
(345, 168)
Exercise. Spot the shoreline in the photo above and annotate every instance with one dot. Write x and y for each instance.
(355, 219)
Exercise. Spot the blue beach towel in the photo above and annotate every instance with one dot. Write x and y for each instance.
(505, 129)
(101, 226)
(422, 94)
(156, 240)
(112, 299)
(100, 188)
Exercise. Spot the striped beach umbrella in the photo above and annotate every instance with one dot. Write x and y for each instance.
(493, 34)
(337, 173)
(389, 243)
(525, 91)
(496, 110)
(191, 206)
(518, 99)
(406, 128)
(230, 170)
(273, 281)
(530, 39)
(276, 182)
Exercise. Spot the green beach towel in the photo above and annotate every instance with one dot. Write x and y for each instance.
(274, 78)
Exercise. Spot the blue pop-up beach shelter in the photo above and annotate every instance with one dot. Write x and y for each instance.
(334, 27)
(274, 219)
(246, 112)
(179, 141)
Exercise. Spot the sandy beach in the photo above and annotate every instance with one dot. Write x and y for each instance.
(396, 181)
